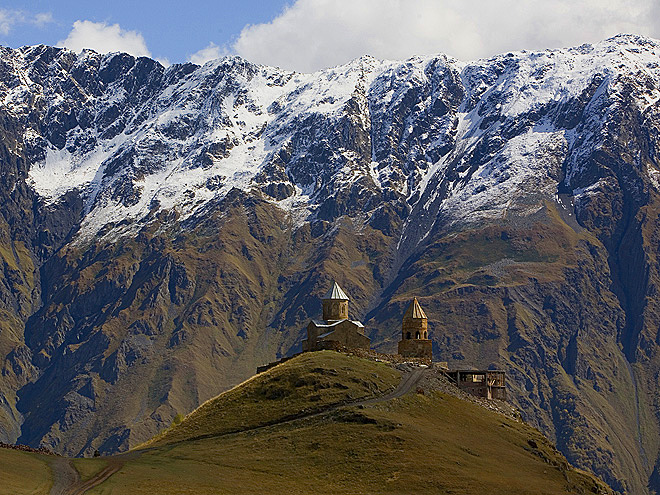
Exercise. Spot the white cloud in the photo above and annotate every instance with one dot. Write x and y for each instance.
(10, 18)
(42, 19)
(7, 21)
(211, 52)
(312, 34)
(105, 38)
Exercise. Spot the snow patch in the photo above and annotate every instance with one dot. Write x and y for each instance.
(219, 126)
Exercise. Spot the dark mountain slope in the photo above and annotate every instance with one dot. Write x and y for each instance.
(168, 229)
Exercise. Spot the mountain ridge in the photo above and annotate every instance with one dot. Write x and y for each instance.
(164, 231)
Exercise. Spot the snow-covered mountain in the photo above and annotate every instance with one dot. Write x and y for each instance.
(170, 226)
(132, 136)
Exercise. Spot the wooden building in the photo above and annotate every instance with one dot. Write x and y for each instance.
(490, 384)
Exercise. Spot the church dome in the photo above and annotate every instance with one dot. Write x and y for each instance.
(335, 293)
(414, 311)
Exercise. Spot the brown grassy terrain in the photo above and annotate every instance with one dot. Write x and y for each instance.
(423, 442)
(206, 306)
(87, 468)
(535, 297)
(24, 473)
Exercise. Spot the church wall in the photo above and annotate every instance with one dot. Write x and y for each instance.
(416, 348)
(351, 336)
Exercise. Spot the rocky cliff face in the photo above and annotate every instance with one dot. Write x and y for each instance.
(165, 230)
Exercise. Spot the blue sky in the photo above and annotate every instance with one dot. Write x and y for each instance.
(308, 35)
(172, 30)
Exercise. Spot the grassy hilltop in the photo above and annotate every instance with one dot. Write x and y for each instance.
(252, 439)
(23, 473)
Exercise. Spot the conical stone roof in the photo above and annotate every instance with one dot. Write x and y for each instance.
(335, 292)
(414, 311)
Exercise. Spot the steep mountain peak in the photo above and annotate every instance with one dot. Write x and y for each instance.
(632, 40)
(132, 136)
(516, 195)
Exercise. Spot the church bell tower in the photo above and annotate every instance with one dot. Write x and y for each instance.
(415, 342)
(335, 304)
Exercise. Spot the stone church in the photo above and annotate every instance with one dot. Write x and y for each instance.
(415, 342)
(335, 330)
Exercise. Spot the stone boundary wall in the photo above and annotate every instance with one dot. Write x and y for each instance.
(25, 448)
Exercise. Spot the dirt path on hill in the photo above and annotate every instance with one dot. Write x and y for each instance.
(64, 475)
(67, 479)
(114, 465)
(408, 381)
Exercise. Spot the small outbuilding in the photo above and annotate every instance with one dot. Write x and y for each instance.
(335, 330)
(489, 384)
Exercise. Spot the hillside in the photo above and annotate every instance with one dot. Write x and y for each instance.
(24, 473)
(163, 231)
(247, 441)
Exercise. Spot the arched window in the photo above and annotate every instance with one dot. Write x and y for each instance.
(408, 335)
(417, 335)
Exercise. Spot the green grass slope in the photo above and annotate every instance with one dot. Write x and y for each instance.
(23, 473)
(267, 436)
(421, 443)
(308, 383)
